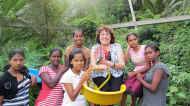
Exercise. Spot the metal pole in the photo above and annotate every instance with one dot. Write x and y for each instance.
(132, 11)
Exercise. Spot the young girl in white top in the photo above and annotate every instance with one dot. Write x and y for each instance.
(73, 80)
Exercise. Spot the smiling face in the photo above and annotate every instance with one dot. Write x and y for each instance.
(78, 62)
(78, 38)
(55, 58)
(17, 62)
(132, 41)
(105, 37)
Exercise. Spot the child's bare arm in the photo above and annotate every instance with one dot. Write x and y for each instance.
(1, 100)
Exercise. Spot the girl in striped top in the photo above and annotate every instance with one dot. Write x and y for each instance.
(15, 81)
(51, 93)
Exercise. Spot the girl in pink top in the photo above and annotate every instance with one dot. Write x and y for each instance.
(135, 52)
(51, 93)
(137, 57)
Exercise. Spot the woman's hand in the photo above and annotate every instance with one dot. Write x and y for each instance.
(102, 61)
(118, 66)
(101, 67)
(106, 62)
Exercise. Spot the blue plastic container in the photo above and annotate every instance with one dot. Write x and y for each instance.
(35, 72)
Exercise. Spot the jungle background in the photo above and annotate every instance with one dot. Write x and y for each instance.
(37, 26)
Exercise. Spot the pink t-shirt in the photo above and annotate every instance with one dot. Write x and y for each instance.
(137, 57)
(49, 96)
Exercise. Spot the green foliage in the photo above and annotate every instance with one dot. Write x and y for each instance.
(89, 27)
(33, 94)
(10, 7)
(163, 7)
(47, 24)
(179, 55)
(178, 90)
(174, 40)
(174, 44)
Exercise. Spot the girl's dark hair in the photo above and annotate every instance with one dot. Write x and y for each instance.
(107, 29)
(130, 34)
(13, 52)
(10, 56)
(55, 49)
(77, 30)
(73, 53)
(13, 88)
(153, 46)
(16, 51)
(24, 70)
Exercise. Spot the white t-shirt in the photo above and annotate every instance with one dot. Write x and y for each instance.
(70, 77)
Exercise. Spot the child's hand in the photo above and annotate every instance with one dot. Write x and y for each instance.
(139, 76)
(34, 80)
(147, 66)
(85, 76)
(90, 69)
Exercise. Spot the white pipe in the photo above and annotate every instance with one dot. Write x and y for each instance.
(132, 11)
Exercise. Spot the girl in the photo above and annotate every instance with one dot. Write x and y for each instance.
(15, 81)
(51, 93)
(73, 80)
(78, 42)
(155, 82)
(135, 53)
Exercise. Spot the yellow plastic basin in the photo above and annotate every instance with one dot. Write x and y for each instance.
(101, 97)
